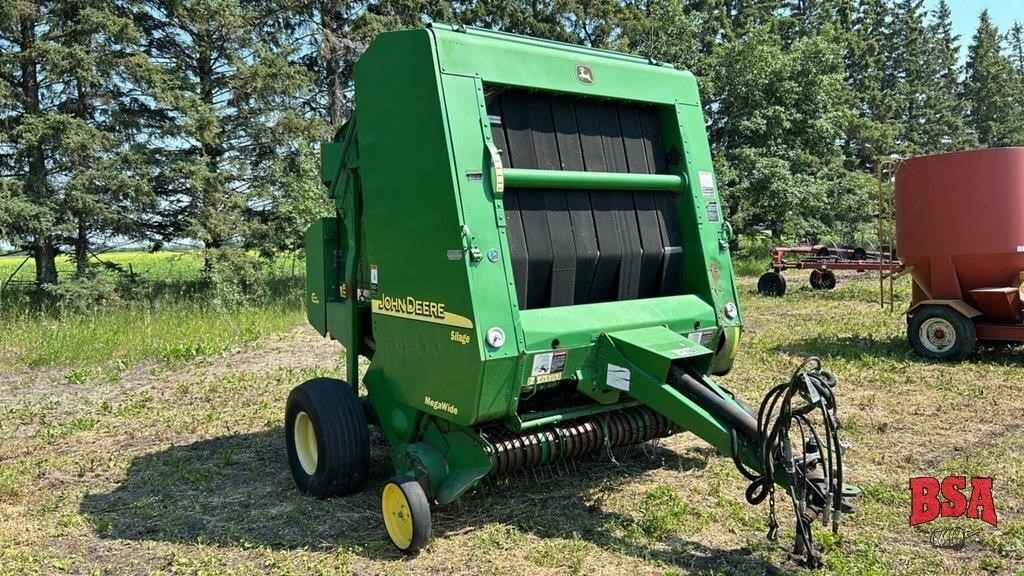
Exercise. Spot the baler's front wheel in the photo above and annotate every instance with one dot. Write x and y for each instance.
(406, 513)
(327, 438)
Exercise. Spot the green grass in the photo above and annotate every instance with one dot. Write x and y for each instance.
(107, 466)
(171, 319)
(663, 512)
(121, 338)
(749, 266)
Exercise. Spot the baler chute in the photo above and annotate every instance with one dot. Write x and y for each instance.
(530, 251)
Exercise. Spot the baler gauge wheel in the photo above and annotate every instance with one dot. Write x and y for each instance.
(941, 333)
(326, 437)
(771, 284)
(406, 513)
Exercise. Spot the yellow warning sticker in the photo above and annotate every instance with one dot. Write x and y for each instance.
(544, 378)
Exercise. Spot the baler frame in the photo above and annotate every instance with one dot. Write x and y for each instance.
(620, 367)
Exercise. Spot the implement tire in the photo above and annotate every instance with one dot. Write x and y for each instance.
(771, 284)
(327, 438)
(406, 513)
(941, 333)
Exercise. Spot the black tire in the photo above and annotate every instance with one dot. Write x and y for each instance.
(771, 284)
(860, 253)
(815, 280)
(828, 279)
(413, 513)
(340, 461)
(823, 252)
(941, 333)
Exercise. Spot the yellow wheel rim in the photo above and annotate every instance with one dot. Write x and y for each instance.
(305, 443)
(397, 516)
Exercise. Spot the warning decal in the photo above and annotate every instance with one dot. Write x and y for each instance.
(618, 377)
(707, 183)
(542, 364)
(713, 215)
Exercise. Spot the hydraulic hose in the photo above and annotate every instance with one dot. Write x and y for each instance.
(738, 418)
(814, 472)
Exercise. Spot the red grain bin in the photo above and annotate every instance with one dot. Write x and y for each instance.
(960, 234)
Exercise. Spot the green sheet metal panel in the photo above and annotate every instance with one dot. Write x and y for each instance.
(321, 270)
(517, 61)
(432, 219)
(412, 222)
(581, 325)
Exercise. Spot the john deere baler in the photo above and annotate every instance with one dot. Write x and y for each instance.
(529, 249)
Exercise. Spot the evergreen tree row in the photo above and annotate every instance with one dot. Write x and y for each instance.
(167, 120)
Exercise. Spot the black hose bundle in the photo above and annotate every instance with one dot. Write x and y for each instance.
(815, 475)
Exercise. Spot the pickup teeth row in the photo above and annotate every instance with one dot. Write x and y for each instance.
(565, 441)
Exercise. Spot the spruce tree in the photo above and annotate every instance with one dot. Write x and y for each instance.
(872, 131)
(714, 22)
(906, 74)
(808, 18)
(330, 35)
(989, 88)
(942, 127)
(661, 29)
(234, 146)
(67, 125)
(324, 29)
(1015, 41)
(106, 194)
(29, 134)
(540, 19)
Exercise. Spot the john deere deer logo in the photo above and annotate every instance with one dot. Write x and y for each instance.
(584, 74)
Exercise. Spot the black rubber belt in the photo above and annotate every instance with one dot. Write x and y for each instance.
(581, 217)
(574, 247)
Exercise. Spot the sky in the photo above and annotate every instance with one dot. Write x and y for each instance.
(965, 16)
